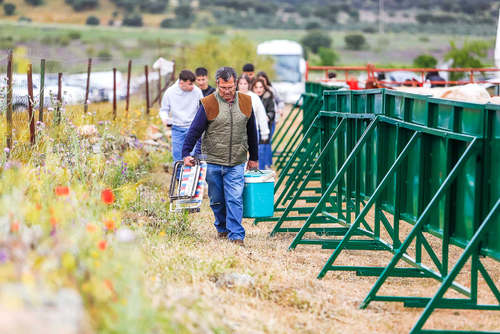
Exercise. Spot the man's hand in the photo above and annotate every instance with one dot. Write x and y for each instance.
(252, 164)
(189, 161)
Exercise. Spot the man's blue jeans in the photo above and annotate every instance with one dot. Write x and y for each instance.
(225, 190)
(178, 136)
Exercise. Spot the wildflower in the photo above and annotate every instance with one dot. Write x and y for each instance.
(88, 101)
(7, 150)
(102, 245)
(110, 224)
(39, 207)
(14, 227)
(50, 109)
(91, 227)
(162, 233)
(62, 191)
(109, 284)
(53, 221)
(107, 196)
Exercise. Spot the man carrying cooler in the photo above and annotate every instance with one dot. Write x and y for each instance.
(227, 122)
(178, 108)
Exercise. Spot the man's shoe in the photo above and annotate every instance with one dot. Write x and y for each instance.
(222, 235)
(238, 242)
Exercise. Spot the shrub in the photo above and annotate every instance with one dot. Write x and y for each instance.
(369, 30)
(424, 18)
(34, 2)
(64, 41)
(354, 15)
(425, 61)
(133, 21)
(24, 19)
(354, 41)
(9, 9)
(153, 6)
(469, 56)
(74, 35)
(81, 5)
(217, 30)
(92, 21)
(328, 57)
(424, 39)
(105, 54)
(184, 12)
(313, 25)
(316, 39)
(167, 23)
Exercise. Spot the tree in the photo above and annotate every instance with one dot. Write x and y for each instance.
(328, 57)
(468, 56)
(183, 12)
(316, 39)
(211, 54)
(424, 18)
(448, 5)
(92, 21)
(354, 15)
(354, 41)
(425, 61)
(34, 2)
(133, 21)
(9, 9)
(167, 23)
(313, 25)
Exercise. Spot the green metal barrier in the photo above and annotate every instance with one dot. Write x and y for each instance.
(427, 162)
(299, 120)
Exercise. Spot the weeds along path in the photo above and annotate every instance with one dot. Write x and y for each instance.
(189, 266)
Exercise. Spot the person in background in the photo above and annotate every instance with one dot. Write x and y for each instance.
(279, 103)
(249, 70)
(258, 108)
(352, 82)
(434, 76)
(332, 75)
(260, 88)
(202, 81)
(227, 122)
(178, 108)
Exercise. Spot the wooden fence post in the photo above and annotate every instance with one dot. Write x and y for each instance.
(59, 98)
(128, 84)
(147, 89)
(31, 116)
(42, 86)
(9, 101)
(159, 88)
(114, 93)
(89, 69)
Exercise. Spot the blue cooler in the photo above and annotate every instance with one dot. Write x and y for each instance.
(258, 194)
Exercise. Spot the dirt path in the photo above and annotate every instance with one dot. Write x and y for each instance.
(188, 266)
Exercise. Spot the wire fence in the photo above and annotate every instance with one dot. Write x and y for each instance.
(36, 90)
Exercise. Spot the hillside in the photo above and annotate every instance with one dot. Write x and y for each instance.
(441, 16)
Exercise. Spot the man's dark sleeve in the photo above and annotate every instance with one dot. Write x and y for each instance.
(253, 145)
(198, 126)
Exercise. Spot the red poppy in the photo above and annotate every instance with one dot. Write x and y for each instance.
(14, 226)
(39, 207)
(102, 245)
(91, 227)
(107, 196)
(109, 284)
(62, 191)
(53, 221)
(110, 225)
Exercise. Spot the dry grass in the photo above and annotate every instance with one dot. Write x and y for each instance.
(287, 297)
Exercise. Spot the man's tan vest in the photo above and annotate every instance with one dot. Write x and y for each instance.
(225, 141)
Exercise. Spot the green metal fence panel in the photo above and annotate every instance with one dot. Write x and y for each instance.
(430, 162)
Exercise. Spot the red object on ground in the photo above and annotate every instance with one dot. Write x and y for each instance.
(107, 196)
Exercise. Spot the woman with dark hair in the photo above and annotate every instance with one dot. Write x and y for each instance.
(259, 110)
(279, 104)
(260, 88)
